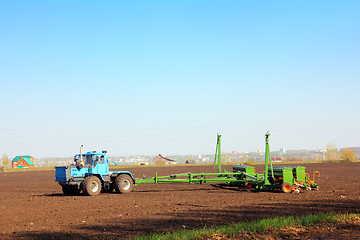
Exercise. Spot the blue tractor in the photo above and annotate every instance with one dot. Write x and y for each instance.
(90, 174)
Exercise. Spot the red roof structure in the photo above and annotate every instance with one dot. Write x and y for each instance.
(161, 160)
(23, 162)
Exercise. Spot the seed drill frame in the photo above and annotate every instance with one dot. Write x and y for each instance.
(283, 178)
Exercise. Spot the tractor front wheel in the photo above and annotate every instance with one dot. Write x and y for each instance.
(286, 187)
(123, 183)
(91, 186)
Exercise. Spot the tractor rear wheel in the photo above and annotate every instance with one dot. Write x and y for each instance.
(91, 186)
(286, 187)
(123, 183)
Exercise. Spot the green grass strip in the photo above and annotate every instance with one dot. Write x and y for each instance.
(29, 169)
(254, 227)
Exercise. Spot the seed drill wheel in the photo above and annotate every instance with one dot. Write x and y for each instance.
(123, 183)
(91, 186)
(286, 187)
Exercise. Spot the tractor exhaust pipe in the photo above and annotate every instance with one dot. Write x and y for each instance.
(79, 162)
(81, 146)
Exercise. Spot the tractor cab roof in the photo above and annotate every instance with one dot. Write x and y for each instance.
(77, 156)
(95, 153)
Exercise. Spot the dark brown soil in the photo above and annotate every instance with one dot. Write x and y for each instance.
(32, 205)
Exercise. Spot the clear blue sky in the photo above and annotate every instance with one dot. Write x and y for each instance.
(149, 77)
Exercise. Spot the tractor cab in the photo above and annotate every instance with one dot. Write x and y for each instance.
(94, 162)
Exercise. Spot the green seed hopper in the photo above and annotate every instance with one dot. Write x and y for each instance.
(284, 178)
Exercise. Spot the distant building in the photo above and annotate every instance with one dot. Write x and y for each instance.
(142, 163)
(276, 159)
(204, 160)
(190, 161)
(282, 151)
(161, 160)
(23, 162)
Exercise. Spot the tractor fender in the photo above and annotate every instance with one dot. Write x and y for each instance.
(115, 174)
(98, 176)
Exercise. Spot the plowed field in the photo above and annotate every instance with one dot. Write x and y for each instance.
(32, 205)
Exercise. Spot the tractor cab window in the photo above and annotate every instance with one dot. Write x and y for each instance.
(76, 157)
(79, 162)
(89, 161)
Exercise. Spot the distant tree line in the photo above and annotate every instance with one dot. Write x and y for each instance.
(346, 155)
(4, 162)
